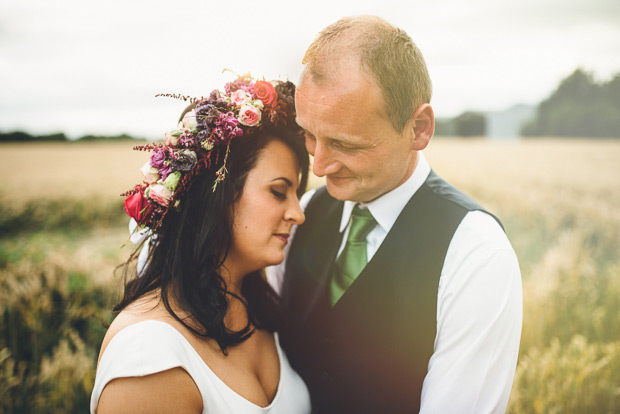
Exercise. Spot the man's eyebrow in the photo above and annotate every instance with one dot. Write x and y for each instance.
(286, 180)
(344, 140)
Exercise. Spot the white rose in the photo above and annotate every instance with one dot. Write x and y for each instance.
(151, 174)
(190, 121)
(258, 103)
(171, 140)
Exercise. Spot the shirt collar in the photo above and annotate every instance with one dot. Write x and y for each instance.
(387, 208)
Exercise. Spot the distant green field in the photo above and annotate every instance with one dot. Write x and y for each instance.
(62, 226)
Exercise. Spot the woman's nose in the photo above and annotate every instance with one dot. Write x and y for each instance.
(295, 214)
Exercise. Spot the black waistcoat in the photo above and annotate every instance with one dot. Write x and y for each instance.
(370, 352)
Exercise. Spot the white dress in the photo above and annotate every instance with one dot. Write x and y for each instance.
(153, 346)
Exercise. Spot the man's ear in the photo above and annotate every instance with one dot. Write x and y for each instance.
(421, 127)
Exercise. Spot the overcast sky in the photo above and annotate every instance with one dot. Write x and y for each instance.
(80, 66)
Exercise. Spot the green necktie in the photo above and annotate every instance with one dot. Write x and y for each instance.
(353, 258)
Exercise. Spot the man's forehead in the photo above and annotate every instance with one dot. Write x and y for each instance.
(334, 100)
(351, 91)
(342, 80)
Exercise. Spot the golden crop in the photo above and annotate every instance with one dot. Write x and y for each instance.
(559, 200)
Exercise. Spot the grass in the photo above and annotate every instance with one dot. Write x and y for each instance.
(61, 230)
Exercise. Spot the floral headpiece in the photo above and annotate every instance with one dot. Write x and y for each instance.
(243, 108)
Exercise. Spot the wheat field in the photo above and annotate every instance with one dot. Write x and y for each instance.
(559, 200)
(529, 173)
(101, 170)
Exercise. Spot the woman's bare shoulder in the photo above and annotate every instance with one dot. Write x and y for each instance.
(147, 308)
(168, 391)
(171, 391)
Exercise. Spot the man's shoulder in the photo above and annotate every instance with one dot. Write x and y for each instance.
(440, 188)
(483, 230)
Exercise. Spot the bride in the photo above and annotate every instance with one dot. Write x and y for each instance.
(195, 330)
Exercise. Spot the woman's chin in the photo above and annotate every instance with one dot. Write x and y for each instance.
(273, 260)
(276, 259)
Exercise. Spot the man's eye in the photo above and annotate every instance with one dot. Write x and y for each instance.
(344, 147)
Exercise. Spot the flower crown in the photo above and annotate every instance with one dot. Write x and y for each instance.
(245, 106)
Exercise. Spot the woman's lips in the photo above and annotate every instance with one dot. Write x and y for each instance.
(282, 236)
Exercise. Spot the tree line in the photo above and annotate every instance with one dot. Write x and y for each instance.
(20, 136)
(468, 124)
(579, 107)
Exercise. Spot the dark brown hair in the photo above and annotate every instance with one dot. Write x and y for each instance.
(192, 243)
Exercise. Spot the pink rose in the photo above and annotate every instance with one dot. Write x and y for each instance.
(239, 97)
(151, 174)
(160, 194)
(249, 115)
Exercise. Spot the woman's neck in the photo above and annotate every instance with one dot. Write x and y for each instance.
(237, 315)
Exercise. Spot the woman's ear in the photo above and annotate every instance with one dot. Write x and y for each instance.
(421, 127)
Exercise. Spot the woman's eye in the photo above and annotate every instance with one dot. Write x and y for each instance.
(279, 195)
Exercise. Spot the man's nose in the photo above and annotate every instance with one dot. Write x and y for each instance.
(323, 162)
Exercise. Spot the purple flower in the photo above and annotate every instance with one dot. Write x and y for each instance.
(184, 160)
(186, 139)
(241, 83)
(286, 92)
(202, 135)
(206, 114)
(158, 156)
(165, 171)
(227, 127)
(227, 120)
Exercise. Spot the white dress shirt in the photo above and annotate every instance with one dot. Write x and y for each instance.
(479, 305)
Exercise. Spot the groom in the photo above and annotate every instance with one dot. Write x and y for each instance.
(401, 294)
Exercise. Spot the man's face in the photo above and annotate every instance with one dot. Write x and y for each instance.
(353, 143)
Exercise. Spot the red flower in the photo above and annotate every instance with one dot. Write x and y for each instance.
(266, 93)
(135, 206)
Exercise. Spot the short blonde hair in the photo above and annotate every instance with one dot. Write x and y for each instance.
(385, 52)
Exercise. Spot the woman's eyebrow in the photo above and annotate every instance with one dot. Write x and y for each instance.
(286, 180)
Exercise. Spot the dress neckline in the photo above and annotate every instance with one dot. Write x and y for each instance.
(204, 363)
